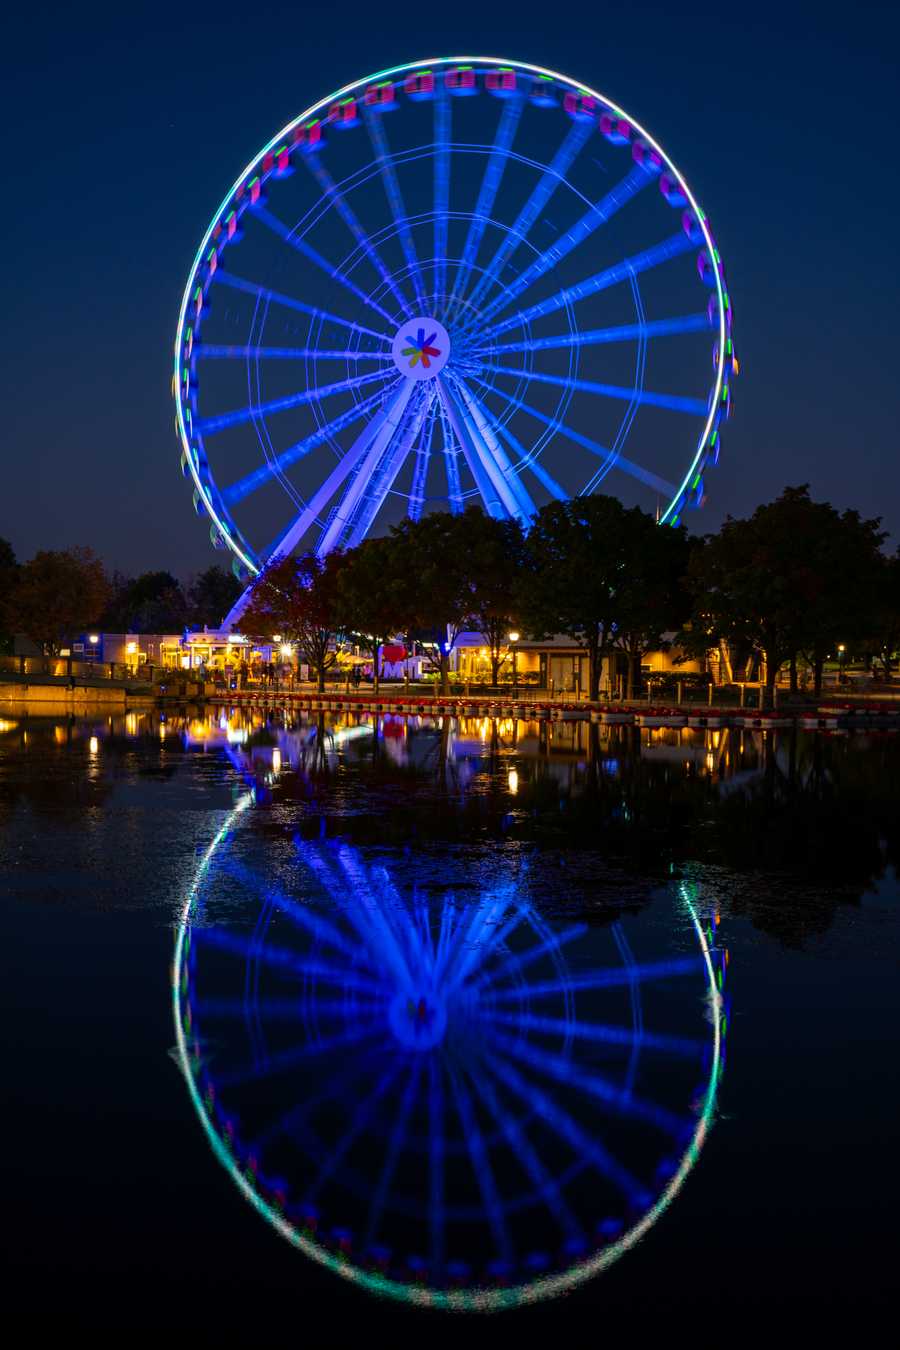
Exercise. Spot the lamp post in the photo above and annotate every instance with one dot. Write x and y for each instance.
(514, 637)
(841, 650)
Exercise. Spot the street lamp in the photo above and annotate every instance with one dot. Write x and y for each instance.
(514, 637)
(841, 650)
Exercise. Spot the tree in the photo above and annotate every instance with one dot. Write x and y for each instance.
(371, 596)
(583, 577)
(796, 576)
(57, 595)
(211, 595)
(9, 571)
(151, 603)
(432, 582)
(495, 554)
(883, 638)
(298, 599)
(653, 598)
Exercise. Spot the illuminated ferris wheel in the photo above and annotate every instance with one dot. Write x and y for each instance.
(460, 280)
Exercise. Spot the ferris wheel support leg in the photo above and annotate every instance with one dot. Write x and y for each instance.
(490, 495)
(525, 507)
(393, 419)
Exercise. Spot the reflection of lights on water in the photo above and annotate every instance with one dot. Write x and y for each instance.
(162, 731)
(390, 983)
(93, 745)
(513, 781)
(276, 760)
(710, 761)
(7, 726)
(131, 724)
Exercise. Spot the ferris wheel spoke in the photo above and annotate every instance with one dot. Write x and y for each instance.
(350, 219)
(208, 425)
(265, 293)
(561, 1123)
(694, 407)
(298, 527)
(213, 352)
(452, 451)
(493, 175)
(287, 1060)
(423, 457)
(470, 944)
(618, 461)
(294, 963)
(519, 961)
(613, 977)
(327, 1088)
(367, 914)
(392, 1156)
(441, 189)
(293, 241)
(481, 1164)
(361, 1119)
(487, 451)
(283, 1009)
(599, 214)
(592, 1031)
(375, 913)
(251, 481)
(365, 495)
(562, 1069)
(528, 459)
(547, 184)
(302, 916)
(541, 1178)
(629, 332)
(375, 127)
(663, 252)
(483, 481)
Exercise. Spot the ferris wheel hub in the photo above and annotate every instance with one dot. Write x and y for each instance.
(421, 348)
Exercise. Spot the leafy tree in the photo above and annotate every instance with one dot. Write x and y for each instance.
(432, 582)
(9, 571)
(371, 596)
(583, 577)
(883, 639)
(298, 598)
(151, 603)
(495, 554)
(794, 577)
(211, 595)
(653, 598)
(58, 594)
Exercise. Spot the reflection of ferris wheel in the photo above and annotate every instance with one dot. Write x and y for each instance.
(454, 1103)
(461, 280)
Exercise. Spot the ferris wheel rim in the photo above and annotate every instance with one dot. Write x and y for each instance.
(224, 527)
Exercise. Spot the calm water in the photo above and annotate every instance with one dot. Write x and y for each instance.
(474, 1014)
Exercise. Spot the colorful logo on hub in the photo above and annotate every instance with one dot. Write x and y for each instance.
(421, 348)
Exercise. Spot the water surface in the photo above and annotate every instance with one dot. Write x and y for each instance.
(782, 845)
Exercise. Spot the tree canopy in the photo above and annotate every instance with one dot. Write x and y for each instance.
(297, 600)
(58, 594)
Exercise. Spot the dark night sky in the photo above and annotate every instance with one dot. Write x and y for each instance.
(126, 125)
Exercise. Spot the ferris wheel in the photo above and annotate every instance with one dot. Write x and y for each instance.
(461, 1103)
(459, 280)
